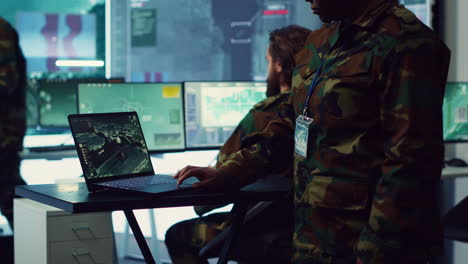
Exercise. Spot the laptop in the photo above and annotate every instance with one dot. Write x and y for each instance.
(113, 154)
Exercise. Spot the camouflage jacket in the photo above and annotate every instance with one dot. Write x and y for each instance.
(255, 120)
(12, 89)
(368, 188)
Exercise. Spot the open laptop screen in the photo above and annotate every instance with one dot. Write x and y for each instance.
(213, 110)
(159, 106)
(110, 145)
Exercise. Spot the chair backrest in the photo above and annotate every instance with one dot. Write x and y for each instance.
(265, 236)
(456, 222)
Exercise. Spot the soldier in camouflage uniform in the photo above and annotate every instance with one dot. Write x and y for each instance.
(366, 187)
(185, 239)
(12, 115)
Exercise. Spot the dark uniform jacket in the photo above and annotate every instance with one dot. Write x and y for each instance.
(254, 121)
(368, 188)
(12, 90)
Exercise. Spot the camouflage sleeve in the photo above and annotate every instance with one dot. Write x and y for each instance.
(9, 76)
(405, 201)
(233, 143)
(254, 121)
(274, 146)
(12, 89)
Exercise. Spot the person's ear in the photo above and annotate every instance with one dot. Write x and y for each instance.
(278, 67)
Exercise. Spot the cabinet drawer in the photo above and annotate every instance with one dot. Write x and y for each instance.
(79, 227)
(81, 252)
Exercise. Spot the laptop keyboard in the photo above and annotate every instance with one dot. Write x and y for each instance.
(140, 181)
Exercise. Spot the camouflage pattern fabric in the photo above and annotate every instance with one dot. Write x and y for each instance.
(265, 238)
(185, 239)
(12, 89)
(368, 190)
(255, 120)
(12, 115)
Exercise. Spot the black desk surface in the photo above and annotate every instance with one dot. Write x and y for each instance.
(75, 198)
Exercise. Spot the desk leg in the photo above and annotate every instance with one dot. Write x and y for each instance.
(145, 251)
(238, 213)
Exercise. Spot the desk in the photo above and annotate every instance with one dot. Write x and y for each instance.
(454, 172)
(74, 198)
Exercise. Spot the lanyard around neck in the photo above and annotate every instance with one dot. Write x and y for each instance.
(318, 75)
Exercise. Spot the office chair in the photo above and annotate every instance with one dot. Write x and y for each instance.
(260, 239)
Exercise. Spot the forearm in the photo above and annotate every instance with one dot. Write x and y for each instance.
(272, 151)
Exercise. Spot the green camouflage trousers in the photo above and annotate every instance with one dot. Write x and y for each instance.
(266, 238)
(185, 239)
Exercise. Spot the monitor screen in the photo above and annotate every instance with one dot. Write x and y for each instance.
(159, 107)
(57, 99)
(47, 37)
(213, 109)
(455, 111)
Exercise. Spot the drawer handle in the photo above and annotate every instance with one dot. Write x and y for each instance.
(80, 254)
(80, 227)
(83, 253)
(83, 231)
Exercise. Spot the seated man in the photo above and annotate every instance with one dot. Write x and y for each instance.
(185, 239)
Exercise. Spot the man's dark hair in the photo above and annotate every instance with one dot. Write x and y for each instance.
(284, 44)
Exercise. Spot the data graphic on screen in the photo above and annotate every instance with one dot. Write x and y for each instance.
(455, 110)
(47, 37)
(111, 145)
(57, 99)
(32, 103)
(213, 109)
(159, 107)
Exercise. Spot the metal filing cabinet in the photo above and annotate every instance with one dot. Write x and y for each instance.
(45, 234)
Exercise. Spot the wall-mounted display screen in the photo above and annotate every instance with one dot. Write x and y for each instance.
(48, 37)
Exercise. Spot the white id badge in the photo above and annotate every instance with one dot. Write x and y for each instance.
(301, 135)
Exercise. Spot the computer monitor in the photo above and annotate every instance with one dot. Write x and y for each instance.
(57, 99)
(159, 107)
(213, 110)
(455, 111)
